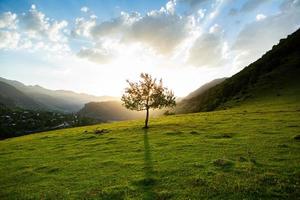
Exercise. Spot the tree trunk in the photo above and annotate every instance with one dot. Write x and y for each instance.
(147, 118)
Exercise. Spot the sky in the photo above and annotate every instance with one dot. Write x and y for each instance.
(94, 46)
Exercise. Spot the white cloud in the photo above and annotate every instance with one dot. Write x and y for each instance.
(201, 13)
(83, 26)
(162, 30)
(216, 8)
(215, 29)
(9, 40)
(93, 17)
(100, 56)
(33, 31)
(260, 17)
(170, 6)
(54, 31)
(115, 28)
(37, 26)
(8, 20)
(84, 9)
(208, 50)
(34, 23)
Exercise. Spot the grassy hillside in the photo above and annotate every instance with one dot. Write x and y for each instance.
(273, 75)
(250, 152)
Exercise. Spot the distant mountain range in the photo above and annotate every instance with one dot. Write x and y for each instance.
(14, 93)
(273, 77)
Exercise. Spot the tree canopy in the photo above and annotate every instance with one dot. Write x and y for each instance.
(147, 94)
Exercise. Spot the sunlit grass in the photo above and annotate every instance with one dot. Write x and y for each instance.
(231, 154)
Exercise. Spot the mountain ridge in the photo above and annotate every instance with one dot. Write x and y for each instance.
(12, 97)
(56, 100)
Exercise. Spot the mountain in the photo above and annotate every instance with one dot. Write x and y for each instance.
(57, 100)
(108, 111)
(11, 97)
(274, 78)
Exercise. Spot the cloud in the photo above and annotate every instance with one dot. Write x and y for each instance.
(259, 36)
(34, 22)
(83, 26)
(161, 30)
(36, 25)
(54, 31)
(170, 6)
(34, 31)
(248, 6)
(84, 9)
(260, 17)
(201, 13)
(103, 51)
(193, 3)
(100, 56)
(251, 5)
(93, 17)
(116, 27)
(216, 28)
(158, 31)
(9, 40)
(8, 20)
(208, 49)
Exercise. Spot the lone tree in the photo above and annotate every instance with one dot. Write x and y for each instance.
(147, 94)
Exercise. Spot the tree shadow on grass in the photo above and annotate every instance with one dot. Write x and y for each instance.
(149, 181)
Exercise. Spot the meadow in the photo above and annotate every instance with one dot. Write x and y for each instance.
(240, 153)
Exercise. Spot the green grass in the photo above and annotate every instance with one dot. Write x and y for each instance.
(242, 153)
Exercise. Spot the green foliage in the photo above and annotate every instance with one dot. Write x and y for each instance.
(147, 94)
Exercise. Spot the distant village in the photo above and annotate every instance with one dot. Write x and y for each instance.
(20, 122)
